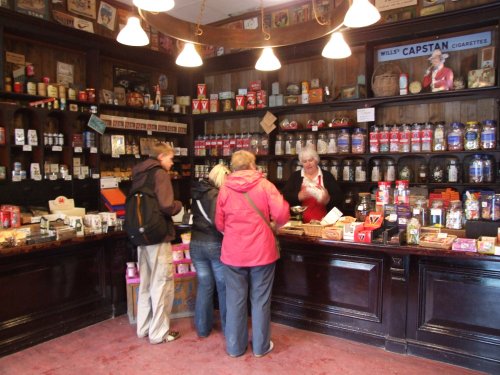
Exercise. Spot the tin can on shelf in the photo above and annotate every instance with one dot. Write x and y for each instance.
(82, 96)
(41, 89)
(403, 84)
(8, 84)
(90, 95)
(18, 87)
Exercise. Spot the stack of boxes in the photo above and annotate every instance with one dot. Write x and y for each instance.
(184, 285)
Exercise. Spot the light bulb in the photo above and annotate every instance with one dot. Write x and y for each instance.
(267, 61)
(336, 48)
(133, 34)
(189, 57)
(361, 13)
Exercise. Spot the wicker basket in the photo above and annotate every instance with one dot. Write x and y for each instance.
(385, 80)
(313, 230)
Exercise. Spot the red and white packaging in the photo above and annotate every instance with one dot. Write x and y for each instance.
(214, 105)
(240, 102)
(204, 105)
(251, 100)
(195, 106)
(261, 99)
(201, 91)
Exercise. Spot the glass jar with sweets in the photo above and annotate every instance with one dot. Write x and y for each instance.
(455, 215)
(344, 141)
(279, 144)
(439, 137)
(495, 213)
(300, 142)
(363, 207)
(405, 173)
(487, 205)
(489, 135)
(254, 144)
(476, 170)
(358, 141)
(324, 165)
(374, 140)
(279, 170)
(404, 138)
(311, 140)
(348, 170)
(359, 170)
(376, 172)
(416, 137)
(332, 142)
(437, 213)
(402, 192)
(290, 144)
(472, 135)
(389, 170)
(472, 206)
(322, 143)
(394, 139)
(420, 211)
(488, 169)
(384, 138)
(452, 170)
(456, 137)
(427, 134)
(422, 174)
(383, 195)
(437, 173)
(335, 168)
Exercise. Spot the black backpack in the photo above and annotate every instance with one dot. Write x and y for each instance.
(145, 224)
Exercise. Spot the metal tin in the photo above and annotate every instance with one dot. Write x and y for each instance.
(90, 95)
(403, 84)
(31, 88)
(82, 96)
(41, 89)
(18, 87)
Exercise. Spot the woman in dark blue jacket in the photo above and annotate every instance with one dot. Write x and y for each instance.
(205, 250)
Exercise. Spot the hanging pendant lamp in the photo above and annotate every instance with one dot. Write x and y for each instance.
(133, 34)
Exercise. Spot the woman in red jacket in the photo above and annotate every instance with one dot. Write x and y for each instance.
(249, 252)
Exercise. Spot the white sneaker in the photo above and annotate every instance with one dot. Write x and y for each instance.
(271, 347)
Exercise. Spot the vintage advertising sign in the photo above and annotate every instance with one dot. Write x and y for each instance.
(383, 5)
(477, 40)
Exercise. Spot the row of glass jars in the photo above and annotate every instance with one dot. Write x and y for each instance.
(226, 144)
(325, 142)
(429, 137)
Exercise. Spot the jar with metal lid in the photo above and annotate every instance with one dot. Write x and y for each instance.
(300, 142)
(358, 141)
(427, 134)
(332, 143)
(394, 139)
(322, 143)
(476, 170)
(363, 207)
(455, 137)
(335, 168)
(254, 144)
(279, 144)
(405, 173)
(455, 215)
(348, 170)
(290, 144)
(311, 140)
(489, 135)
(452, 170)
(439, 138)
(344, 141)
(389, 170)
(472, 135)
(279, 170)
(263, 145)
(360, 170)
(376, 172)
(437, 174)
(384, 139)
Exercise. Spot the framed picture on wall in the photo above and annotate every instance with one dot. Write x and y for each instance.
(35, 8)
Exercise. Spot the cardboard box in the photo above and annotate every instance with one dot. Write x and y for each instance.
(316, 95)
(184, 298)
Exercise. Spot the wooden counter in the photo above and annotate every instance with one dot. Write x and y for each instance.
(438, 304)
(51, 289)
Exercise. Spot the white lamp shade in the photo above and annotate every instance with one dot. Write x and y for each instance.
(268, 60)
(361, 13)
(336, 48)
(154, 5)
(189, 57)
(133, 34)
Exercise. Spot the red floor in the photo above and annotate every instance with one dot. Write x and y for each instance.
(111, 347)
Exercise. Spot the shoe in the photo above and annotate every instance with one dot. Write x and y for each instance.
(236, 355)
(271, 347)
(172, 336)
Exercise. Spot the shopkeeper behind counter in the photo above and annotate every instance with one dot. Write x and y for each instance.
(312, 187)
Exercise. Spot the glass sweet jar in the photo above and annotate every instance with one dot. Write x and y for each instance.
(363, 207)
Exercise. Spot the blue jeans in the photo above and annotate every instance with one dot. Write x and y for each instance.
(209, 271)
(240, 281)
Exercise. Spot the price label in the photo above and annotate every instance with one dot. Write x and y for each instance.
(68, 178)
(442, 235)
(150, 132)
(16, 178)
(37, 178)
(78, 150)
(315, 128)
(81, 177)
(52, 177)
(56, 148)
(27, 148)
(137, 156)
(115, 156)
(93, 150)
(96, 176)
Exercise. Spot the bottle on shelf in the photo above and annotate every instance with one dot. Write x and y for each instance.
(394, 139)
(335, 169)
(374, 140)
(452, 171)
(363, 207)
(405, 138)
(427, 134)
(344, 141)
(290, 144)
(322, 143)
(360, 170)
(358, 141)
(384, 138)
(279, 144)
(389, 170)
(488, 135)
(476, 170)
(332, 142)
(416, 137)
(422, 174)
(348, 170)
(472, 136)
(439, 137)
(376, 172)
(455, 138)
